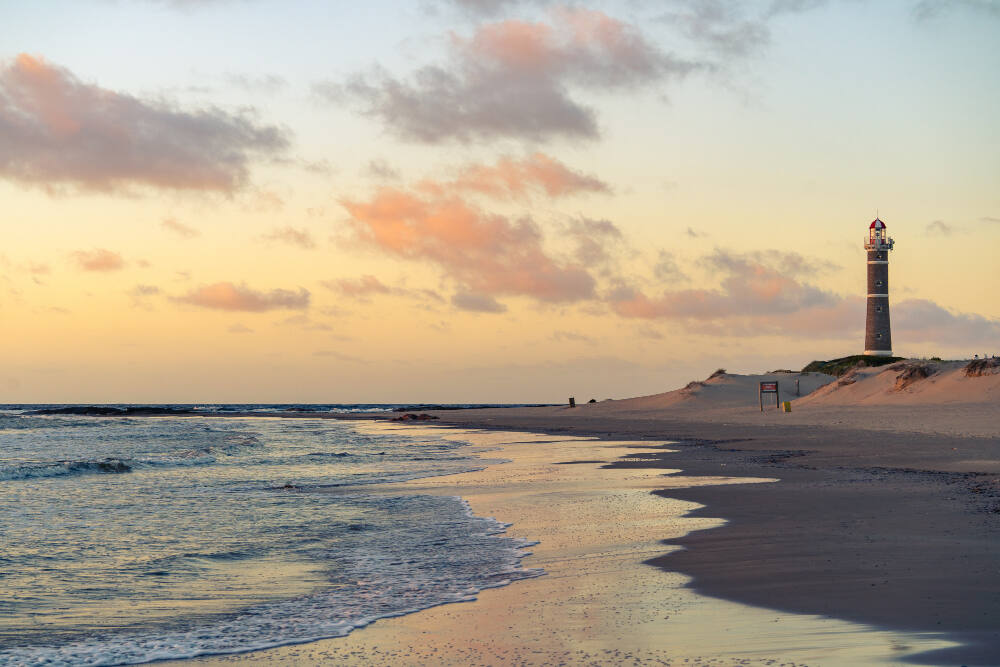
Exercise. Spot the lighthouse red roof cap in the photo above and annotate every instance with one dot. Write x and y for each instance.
(876, 224)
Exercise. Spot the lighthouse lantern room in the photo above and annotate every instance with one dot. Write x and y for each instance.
(878, 333)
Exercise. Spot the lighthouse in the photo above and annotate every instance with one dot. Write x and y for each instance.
(878, 335)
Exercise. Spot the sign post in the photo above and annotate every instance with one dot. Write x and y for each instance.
(767, 388)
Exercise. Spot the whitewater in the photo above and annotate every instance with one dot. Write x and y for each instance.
(126, 540)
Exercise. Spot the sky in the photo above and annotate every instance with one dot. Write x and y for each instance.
(484, 200)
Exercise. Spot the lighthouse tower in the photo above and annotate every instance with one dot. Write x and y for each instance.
(878, 336)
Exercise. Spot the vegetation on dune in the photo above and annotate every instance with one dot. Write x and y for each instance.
(912, 373)
(844, 365)
(980, 367)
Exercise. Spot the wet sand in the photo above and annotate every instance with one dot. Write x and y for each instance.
(894, 528)
(601, 527)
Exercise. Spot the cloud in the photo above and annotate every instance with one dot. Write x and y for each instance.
(486, 7)
(750, 288)
(514, 79)
(926, 321)
(239, 329)
(764, 293)
(381, 170)
(140, 293)
(259, 83)
(939, 227)
(666, 268)
(930, 9)
(594, 240)
(989, 219)
(794, 6)
(304, 322)
(572, 336)
(180, 229)
(367, 286)
(227, 296)
(37, 268)
(338, 355)
(297, 237)
(484, 253)
(56, 130)
(719, 26)
(478, 303)
(144, 290)
(360, 288)
(98, 259)
(514, 178)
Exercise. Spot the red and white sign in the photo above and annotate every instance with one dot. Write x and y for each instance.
(769, 387)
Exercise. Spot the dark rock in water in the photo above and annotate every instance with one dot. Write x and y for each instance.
(430, 406)
(411, 417)
(113, 465)
(593, 400)
(107, 465)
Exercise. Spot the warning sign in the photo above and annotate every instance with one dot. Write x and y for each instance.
(767, 388)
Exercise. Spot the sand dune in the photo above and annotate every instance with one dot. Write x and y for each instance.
(898, 384)
(721, 391)
(895, 397)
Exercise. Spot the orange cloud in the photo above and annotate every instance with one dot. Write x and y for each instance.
(486, 254)
(99, 259)
(511, 177)
(227, 296)
(760, 294)
(58, 130)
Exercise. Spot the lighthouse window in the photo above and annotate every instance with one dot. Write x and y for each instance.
(878, 309)
(878, 335)
(878, 283)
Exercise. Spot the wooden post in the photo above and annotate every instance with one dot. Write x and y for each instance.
(572, 402)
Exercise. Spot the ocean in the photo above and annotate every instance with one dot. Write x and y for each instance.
(129, 539)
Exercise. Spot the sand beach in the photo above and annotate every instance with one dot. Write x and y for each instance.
(690, 528)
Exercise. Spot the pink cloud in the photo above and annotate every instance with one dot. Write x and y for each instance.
(99, 259)
(762, 293)
(227, 296)
(57, 130)
(922, 320)
(749, 288)
(485, 253)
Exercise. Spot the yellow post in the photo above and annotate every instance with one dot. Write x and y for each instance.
(787, 406)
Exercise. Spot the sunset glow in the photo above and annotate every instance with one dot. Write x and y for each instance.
(458, 201)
